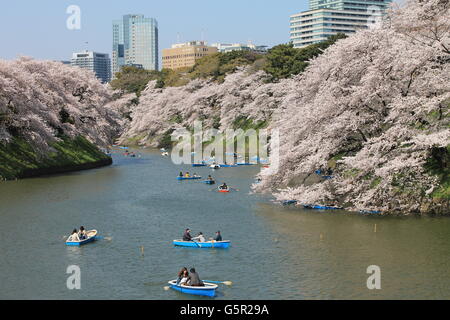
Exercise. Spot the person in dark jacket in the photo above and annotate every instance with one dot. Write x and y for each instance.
(195, 279)
(187, 235)
(218, 236)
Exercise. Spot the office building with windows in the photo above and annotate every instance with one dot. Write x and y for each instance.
(330, 17)
(182, 55)
(135, 42)
(99, 63)
(228, 47)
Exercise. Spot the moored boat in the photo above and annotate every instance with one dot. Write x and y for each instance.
(203, 245)
(319, 207)
(199, 165)
(91, 236)
(189, 178)
(209, 290)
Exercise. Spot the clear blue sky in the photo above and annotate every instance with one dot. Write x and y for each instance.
(37, 28)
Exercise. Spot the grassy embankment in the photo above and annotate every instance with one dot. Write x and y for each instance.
(19, 160)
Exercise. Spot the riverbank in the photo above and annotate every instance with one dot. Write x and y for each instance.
(18, 160)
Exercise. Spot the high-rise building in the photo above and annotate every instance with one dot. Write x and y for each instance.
(99, 63)
(228, 47)
(354, 5)
(135, 42)
(183, 55)
(330, 17)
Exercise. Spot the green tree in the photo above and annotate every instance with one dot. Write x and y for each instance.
(131, 79)
(284, 60)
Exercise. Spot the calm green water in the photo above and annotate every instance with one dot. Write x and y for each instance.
(277, 253)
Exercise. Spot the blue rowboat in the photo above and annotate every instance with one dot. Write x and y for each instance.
(91, 236)
(209, 182)
(318, 207)
(209, 290)
(202, 245)
(195, 165)
(190, 178)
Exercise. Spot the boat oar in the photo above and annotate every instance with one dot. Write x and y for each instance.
(227, 283)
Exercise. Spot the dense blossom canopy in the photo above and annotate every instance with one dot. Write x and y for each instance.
(373, 107)
(42, 101)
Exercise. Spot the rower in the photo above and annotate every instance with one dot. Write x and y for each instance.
(187, 235)
(223, 187)
(194, 279)
(200, 237)
(82, 233)
(218, 236)
(74, 236)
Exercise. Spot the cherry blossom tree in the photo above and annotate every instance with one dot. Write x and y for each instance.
(373, 107)
(42, 101)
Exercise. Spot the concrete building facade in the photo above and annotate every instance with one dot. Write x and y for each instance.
(330, 17)
(99, 63)
(228, 47)
(182, 55)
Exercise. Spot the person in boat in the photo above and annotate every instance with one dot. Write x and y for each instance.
(82, 233)
(194, 279)
(185, 277)
(74, 236)
(210, 178)
(187, 175)
(181, 174)
(223, 187)
(195, 175)
(187, 235)
(200, 237)
(181, 275)
(218, 236)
